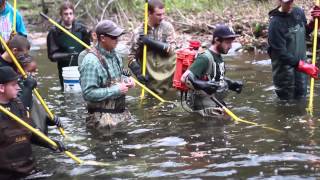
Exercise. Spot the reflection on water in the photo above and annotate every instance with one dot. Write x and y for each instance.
(163, 141)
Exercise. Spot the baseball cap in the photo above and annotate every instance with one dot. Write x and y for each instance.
(7, 74)
(285, 1)
(109, 28)
(225, 32)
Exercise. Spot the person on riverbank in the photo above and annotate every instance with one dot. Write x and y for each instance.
(287, 49)
(61, 48)
(16, 160)
(6, 23)
(206, 76)
(161, 44)
(102, 81)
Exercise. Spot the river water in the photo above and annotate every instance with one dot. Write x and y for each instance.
(165, 142)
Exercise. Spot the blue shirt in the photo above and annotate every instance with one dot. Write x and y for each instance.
(6, 21)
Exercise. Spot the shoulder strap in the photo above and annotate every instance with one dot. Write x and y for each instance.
(95, 52)
(211, 66)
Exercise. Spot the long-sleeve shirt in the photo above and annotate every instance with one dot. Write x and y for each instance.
(6, 25)
(94, 78)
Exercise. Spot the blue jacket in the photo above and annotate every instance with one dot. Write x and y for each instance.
(6, 25)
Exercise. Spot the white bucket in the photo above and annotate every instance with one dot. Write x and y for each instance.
(71, 78)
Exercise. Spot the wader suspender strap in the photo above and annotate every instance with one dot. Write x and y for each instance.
(211, 66)
(103, 63)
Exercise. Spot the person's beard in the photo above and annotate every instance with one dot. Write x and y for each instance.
(221, 50)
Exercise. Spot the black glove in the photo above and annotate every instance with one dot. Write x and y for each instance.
(136, 70)
(26, 91)
(61, 147)
(30, 82)
(155, 45)
(60, 56)
(234, 85)
(209, 87)
(126, 72)
(55, 122)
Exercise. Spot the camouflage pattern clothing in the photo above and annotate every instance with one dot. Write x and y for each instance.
(100, 75)
(160, 68)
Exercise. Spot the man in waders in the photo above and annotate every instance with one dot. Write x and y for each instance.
(6, 23)
(16, 160)
(102, 81)
(61, 48)
(206, 76)
(161, 44)
(287, 48)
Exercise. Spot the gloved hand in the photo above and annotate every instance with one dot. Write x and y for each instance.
(155, 45)
(143, 79)
(234, 85)
(208, 87)
(61, 147)
(30, 82)
(136, 70)
(57, 121)
(59, 56)
(315, 13)
(73, 53)
(126, 72)
(309, 69)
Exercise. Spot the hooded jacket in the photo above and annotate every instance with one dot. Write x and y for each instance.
(287, 46)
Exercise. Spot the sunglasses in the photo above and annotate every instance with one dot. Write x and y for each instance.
(111, 37)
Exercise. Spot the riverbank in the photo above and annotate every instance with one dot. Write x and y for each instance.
(249, 18)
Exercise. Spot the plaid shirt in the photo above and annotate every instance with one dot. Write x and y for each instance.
(94, 77)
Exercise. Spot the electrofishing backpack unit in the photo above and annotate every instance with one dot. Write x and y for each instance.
(184, 59)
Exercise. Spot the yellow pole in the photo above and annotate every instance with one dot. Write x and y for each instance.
(14, 25)
(145, 32)
(237, 119)
(36, 93)
(314, 57)
(38, 133)
(44, 137)
(88, 47)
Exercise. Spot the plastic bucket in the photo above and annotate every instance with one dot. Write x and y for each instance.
(71, 80)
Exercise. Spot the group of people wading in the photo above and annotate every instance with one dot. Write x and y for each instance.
(105, 80)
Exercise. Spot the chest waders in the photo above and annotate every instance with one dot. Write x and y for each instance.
(160, 67)
(15, 143)
(289, 83)
(67, 45)
(110, 112)
(114, 106)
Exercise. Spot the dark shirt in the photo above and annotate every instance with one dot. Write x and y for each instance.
(200, 67)
(6, 63)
